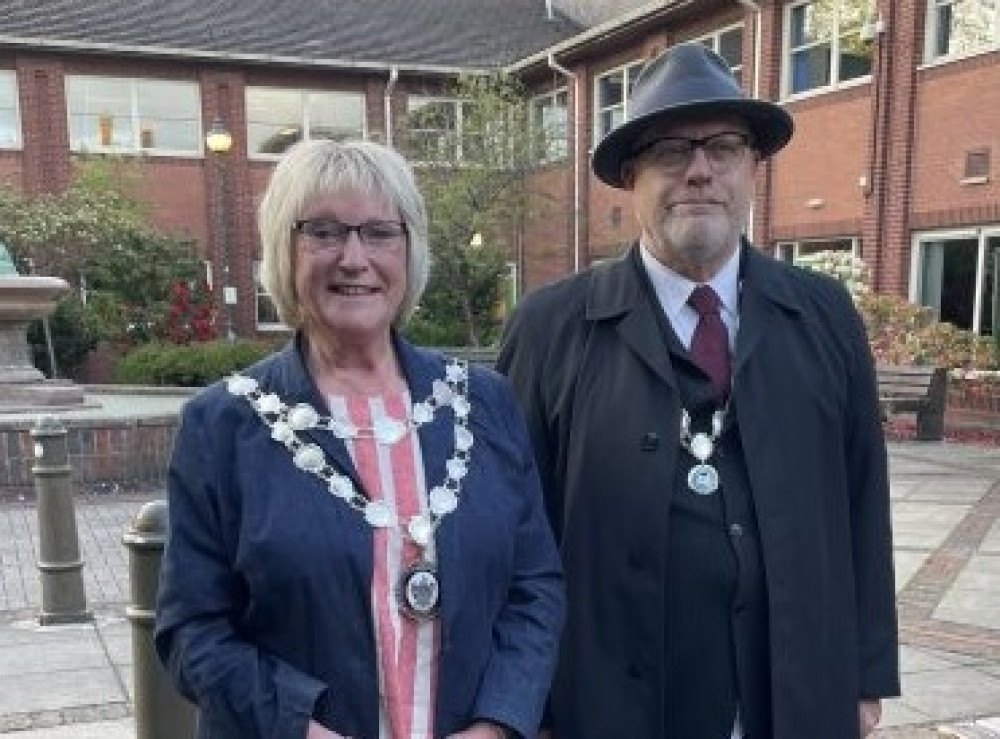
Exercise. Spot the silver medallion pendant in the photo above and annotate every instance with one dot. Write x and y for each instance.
(419, 591)
(703, 479)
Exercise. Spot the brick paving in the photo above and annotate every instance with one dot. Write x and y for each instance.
(946, 511)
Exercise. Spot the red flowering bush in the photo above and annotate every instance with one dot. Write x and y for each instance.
(191, 315)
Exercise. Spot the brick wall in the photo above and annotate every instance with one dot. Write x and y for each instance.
(126, 453)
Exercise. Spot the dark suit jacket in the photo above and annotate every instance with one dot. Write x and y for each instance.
(264, 616)
(591, 367)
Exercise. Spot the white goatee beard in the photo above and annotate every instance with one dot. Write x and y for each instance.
(700, 241)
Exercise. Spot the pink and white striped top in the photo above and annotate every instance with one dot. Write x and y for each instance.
(408, 650)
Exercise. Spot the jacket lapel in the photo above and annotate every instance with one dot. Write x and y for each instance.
(763, 290)
(618, 292)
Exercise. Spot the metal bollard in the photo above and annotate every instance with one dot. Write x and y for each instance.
(59, 561)
(160, 711)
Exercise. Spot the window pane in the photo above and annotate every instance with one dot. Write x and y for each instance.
(274, 119)
(433, 129)
(855, 56)
(549, 121)
(965, 25)
(811, 68)
(267, 314)
(812, 23)
(611, 89)
(100, 113)
(948, 279)
(168, 115)
(990, 309)
(335, 115)
(731, 47)
(9, 126)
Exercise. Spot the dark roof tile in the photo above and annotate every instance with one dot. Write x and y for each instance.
(449, 33)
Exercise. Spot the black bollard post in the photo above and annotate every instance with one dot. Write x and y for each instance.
(59, 561)
(160, 711)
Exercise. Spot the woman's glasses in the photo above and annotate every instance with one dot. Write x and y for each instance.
(329, 233)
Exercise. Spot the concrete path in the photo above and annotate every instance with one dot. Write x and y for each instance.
(74, 682)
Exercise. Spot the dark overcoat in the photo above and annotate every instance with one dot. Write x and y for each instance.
(264, 615)
(590, 363)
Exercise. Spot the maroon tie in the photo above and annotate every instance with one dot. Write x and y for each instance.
(710, 343)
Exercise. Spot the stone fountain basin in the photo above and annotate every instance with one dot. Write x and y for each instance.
(25, 298)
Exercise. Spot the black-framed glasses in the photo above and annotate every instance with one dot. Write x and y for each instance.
(674, 153)
(329, 233)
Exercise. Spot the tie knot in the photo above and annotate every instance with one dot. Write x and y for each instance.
(704, 300)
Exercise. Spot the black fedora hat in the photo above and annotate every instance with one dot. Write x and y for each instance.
(687, 79)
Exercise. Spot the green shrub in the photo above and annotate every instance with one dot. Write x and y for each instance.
(190, 365)
(73, 337)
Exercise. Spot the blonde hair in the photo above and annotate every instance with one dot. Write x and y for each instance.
(311, 169)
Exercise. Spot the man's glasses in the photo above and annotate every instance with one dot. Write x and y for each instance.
(674, 153)
(328, 233)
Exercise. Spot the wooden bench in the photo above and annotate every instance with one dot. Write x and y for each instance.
(920, 390)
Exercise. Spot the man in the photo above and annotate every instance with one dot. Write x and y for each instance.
(717, 482)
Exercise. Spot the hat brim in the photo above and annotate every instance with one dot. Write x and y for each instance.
(770, 124)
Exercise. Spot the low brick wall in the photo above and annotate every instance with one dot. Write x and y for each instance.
(102, 452)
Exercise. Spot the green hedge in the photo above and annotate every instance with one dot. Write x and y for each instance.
(188, 365)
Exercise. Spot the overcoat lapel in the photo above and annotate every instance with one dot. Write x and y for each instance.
(619, 290)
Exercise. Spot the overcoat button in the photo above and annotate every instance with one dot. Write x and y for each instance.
(635, 671)
(650, 441)
(735, 530)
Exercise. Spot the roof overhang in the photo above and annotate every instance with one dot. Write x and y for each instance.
(629, 24)
(159, 52)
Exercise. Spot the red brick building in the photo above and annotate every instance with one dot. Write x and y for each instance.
(896, 104)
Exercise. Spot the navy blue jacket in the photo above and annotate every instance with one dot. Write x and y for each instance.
(264, 615)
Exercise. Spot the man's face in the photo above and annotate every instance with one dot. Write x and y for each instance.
(693, 204)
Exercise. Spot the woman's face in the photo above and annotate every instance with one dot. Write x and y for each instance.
(350, 283)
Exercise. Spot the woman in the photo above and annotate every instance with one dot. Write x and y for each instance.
(357, 546)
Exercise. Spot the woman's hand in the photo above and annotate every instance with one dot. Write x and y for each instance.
(481, 730)
(870, 713)
(315, 731)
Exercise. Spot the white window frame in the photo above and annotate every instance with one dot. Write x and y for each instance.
(136, 145)
(450, 143)
(550, 143)
(935, 11)
(261, 295)
(789, 251)
(304, 123)
(14, 141)
(834, 42)
(713, 41)
(630, 71)
(981, 235)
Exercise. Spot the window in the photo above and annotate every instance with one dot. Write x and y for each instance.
(277, 118)
(130, 115)
(549, 117)
(825, 47)
(728, 43)
(789, 251)
(445, 131)
(611, 93)
(10, 124)
(959, 27)
(267, 314)
(957, 276)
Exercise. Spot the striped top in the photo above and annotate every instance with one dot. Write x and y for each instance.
(408, 650)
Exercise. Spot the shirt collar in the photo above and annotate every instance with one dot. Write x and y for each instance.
(673, 289)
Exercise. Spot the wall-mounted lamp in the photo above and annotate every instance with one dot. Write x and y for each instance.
(218, 139)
